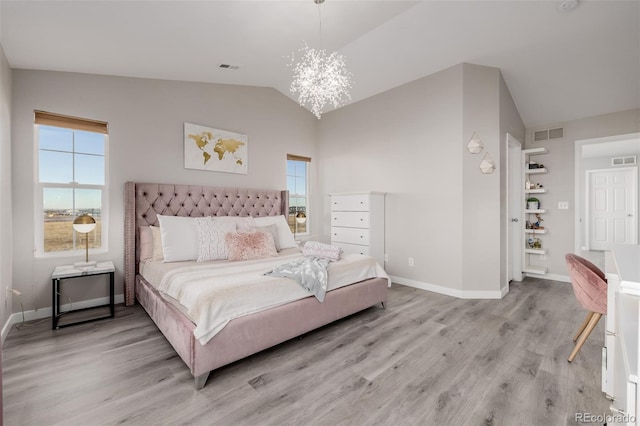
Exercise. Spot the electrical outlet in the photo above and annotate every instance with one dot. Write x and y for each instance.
(563, 205)
(411, 262)
(386, 257)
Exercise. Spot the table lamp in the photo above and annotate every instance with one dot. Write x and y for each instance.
(85, 224)
(300, 219)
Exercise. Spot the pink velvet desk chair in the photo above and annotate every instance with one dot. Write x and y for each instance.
(590, 287)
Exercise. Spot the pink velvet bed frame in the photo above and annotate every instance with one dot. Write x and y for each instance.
(246, 335)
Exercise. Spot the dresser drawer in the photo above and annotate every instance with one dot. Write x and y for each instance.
(350, 219)
(353, 248)
(358, 202)
(350, 235)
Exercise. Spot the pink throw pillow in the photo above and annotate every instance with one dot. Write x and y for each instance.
(250, 245)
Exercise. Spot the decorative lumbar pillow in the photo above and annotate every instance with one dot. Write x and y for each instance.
(146, 242)
(157, 243)
(285, 237)
(318, 249)
(211, 242)
(273, 230)
(179, 238)
(150, 243)
(250, 245)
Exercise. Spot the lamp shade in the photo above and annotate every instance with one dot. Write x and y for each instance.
(84, 224)
(301, 217)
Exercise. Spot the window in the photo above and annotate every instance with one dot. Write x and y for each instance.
(71, 180)
(298, 186)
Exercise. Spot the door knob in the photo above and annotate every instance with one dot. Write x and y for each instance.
(514, 219)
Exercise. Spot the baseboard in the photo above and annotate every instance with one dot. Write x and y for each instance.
(460, 294)
(551, 277)
(16, 318)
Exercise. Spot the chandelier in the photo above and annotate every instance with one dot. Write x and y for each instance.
(320, 79)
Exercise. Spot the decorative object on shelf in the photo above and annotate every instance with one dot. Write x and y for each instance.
(534, 165)
(487, 166)
(534, 243)
(301, 218)
(475, 144)
(536, 225)
(206, 148)
(533, 203)
(84, 224)
(319, 78)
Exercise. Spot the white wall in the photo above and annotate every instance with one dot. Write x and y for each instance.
(406, 142)
(145, 144)
(481, 263)
(411, 143)
(6, 223)
(560, 161)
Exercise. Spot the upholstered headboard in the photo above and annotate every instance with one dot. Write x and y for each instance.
(145, 201)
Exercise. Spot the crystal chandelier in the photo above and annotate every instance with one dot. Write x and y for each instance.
(319, 78)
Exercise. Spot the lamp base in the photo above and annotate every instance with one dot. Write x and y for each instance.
(89, 264)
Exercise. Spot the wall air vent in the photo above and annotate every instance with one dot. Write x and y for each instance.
(541, 135)
(228, 67)
(623, 161)
(556, 133)
(548, 134)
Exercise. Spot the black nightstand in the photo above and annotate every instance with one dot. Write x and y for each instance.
(70, 271)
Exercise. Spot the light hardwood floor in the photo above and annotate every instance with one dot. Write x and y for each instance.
(427, 359)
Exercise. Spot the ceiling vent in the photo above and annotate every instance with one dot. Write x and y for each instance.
(548, 134)
(228, 67)
(623, 161)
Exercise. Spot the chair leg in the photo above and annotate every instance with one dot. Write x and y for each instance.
(583, 337)
(583, 326)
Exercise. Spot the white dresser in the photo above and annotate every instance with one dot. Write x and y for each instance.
(357, 223)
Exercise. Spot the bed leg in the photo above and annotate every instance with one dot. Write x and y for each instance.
(201, 380)
(383, 305)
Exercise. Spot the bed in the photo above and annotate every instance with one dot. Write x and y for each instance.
(245, 335)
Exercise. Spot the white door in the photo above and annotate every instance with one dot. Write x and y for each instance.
(612, 205)
(514, 209)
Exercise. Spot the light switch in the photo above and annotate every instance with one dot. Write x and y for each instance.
(563, 205)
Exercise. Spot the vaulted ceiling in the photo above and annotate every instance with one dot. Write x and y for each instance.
(558, 65)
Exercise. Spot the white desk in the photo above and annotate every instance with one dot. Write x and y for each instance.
(622, 360)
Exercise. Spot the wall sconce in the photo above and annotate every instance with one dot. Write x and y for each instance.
(487, 166)
(475, 144)
(83, 225)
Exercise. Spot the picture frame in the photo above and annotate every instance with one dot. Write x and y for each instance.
(215, 150)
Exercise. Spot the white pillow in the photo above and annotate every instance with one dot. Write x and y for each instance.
(179, 238)
(243, 223)
(273, 230)
(211, 242)
(285, 237)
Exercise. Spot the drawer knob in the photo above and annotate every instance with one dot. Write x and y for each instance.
(361, 220)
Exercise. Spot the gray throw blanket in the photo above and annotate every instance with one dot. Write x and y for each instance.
(310, 272)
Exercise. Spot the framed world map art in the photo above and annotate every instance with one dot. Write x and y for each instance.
(216, 150)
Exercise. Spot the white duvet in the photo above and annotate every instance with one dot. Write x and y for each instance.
(214, 293)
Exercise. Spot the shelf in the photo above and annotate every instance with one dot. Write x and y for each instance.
(535, 151)
(535, 251)
(535, 191)
(535, 211)
(535, 231)
(535, 171)
(538, 270)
